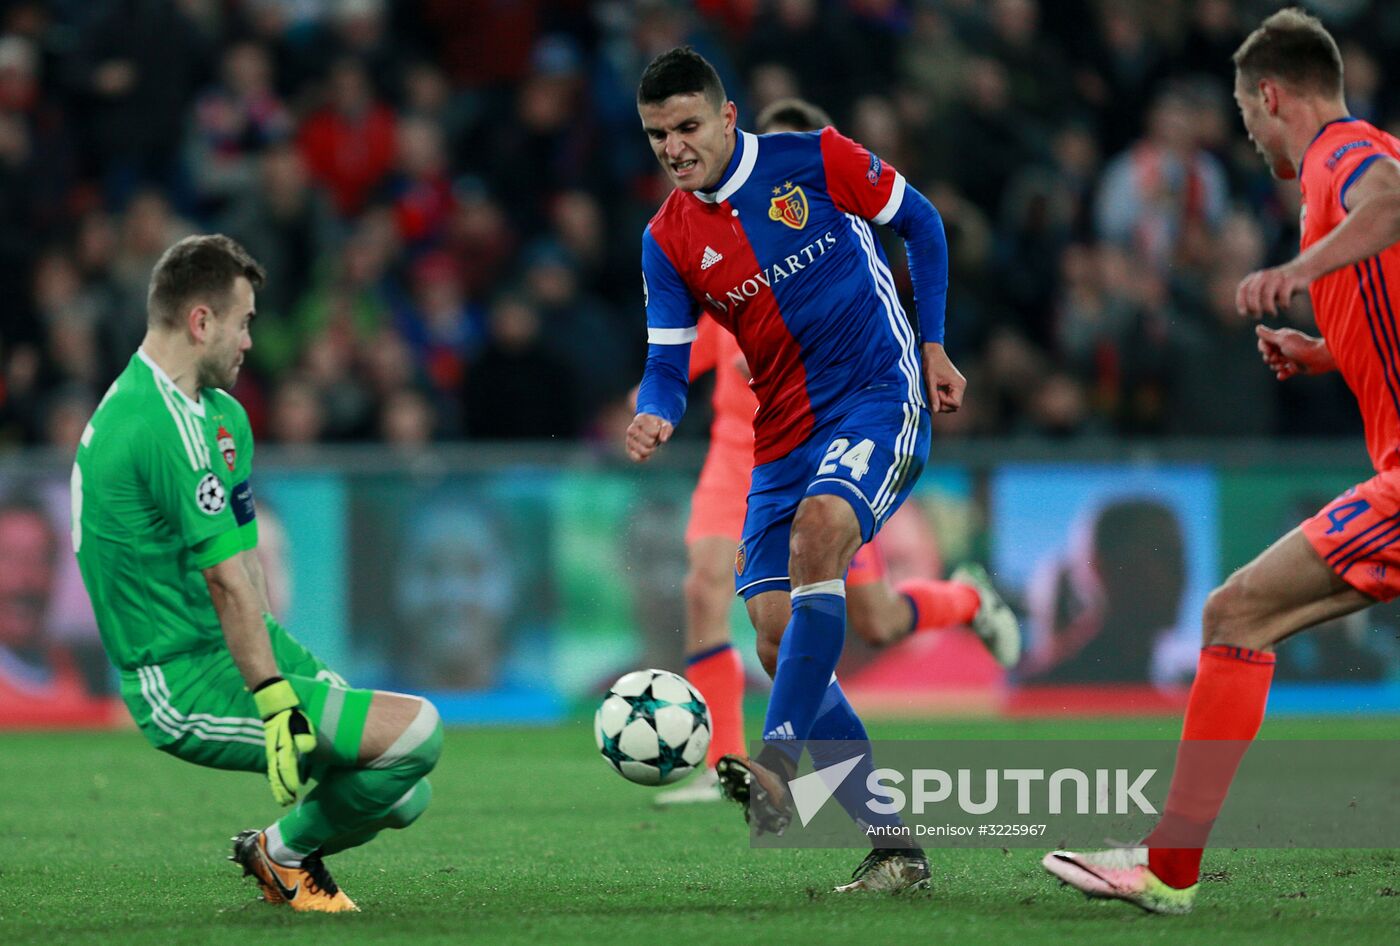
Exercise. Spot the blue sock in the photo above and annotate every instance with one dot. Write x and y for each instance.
(807, 659)
(837, 735)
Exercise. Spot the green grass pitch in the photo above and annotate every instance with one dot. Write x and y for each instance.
(531, 839)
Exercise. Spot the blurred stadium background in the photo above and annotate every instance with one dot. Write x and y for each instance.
(448, 196)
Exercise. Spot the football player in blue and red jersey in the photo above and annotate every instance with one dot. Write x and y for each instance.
(771, 236)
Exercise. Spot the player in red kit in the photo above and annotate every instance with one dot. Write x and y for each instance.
(879, 613)
(1288, 85)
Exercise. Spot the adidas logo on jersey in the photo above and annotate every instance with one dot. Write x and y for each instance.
(710, 258)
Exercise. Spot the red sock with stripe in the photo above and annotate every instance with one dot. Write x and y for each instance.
(940, 604)
(718, 674)
(1223, 715)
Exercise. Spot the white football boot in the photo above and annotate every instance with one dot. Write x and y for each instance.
(994, 621)
(701, 788)
(1120, 874)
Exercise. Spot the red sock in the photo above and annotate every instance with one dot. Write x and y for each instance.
(1223, 715)
(718, 674)
(939, 604)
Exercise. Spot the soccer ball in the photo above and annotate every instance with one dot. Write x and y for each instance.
(653, 727)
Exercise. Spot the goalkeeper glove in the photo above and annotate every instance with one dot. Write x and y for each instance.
(288, 733)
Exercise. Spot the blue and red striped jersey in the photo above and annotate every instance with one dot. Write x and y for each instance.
(782, 254)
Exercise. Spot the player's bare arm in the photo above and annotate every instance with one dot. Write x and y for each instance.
(944, 381)
(240, 608)
(253, 564)
(1371, 225)
(1288, 352)
(645, 434)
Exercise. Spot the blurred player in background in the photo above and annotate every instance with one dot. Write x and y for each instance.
(1288, 85)
(771, 236)
(166, 533)
(877, 612)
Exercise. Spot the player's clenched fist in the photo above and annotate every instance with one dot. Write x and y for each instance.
(944, 381)
(645, 434)
(1289, 352)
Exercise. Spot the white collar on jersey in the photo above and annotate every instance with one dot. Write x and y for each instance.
(159, 372)
(747, 145)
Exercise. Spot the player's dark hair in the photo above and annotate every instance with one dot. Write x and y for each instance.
(792, 114)
(680, 71)
(1296, 48)
(197, 269)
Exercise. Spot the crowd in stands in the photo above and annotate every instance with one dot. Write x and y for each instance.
(448, 197)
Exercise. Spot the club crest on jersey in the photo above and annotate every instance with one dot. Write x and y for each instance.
(789, 206)
(226, 447)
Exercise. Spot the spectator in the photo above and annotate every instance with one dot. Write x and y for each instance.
(298, 418)
(444, 330)
(133, 71)
(287, 225)
(420, 190)
(568, 316)
(233, 123)
(349, 143)
(517, 390)
(1160, 187)
(406, 420)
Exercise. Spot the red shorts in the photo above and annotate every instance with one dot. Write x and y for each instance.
(1358, 536)
(720, 500)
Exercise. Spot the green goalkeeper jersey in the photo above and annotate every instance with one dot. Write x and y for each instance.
(160, 492)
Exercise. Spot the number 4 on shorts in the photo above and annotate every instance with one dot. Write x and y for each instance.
(856, 459)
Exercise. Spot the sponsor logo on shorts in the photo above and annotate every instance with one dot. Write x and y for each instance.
(739, 560)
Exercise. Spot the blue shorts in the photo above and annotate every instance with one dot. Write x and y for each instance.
(871, 456)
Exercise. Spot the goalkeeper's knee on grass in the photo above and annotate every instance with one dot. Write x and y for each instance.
(417, 749)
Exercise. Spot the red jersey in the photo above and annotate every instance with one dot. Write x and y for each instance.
(1354, 307)
(734, 402)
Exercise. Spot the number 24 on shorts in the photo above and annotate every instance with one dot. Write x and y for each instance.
(854, 458)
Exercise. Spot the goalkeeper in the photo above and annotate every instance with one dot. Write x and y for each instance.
(165, 531)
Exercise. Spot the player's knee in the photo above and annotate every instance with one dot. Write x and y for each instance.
(417, 749)
(432, 746)
(708, 586)
(411, 806)
(1227, 610)
(825, 534)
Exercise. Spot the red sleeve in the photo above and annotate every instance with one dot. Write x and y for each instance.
(1346, 160)
(858, 181)
(704, 351)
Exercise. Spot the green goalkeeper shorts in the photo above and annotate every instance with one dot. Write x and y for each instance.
(196, 708)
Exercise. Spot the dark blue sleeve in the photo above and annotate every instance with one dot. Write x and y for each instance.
(665, 382)
(921, 226)
(671, 319)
